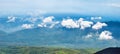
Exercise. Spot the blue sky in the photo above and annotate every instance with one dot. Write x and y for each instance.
(110, 7)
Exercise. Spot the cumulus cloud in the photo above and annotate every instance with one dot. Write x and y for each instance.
(84, 24)
(69, 23)
(98, 25)
(88, 36)
(48, 21)
(27, 26)
(105, 35)
(11, 19)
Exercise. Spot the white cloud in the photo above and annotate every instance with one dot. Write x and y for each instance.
(96, 18)
(88, 36)
(27, 26)
(84, 24)
(53, 24)
(42, 25)
(80, 20)
(69, 23)
(105, 35)
(48, 19)
(98, 25)
(11, 19)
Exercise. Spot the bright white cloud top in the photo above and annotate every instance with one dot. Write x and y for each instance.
(84, 24)
(98, 25)
(69, 23)
(48, 21)
(105, 35)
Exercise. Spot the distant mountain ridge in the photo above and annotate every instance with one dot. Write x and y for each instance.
(60, 36)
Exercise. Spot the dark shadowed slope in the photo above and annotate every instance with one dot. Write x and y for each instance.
(111, 50)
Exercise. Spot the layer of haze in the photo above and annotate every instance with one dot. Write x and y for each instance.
(100, 7)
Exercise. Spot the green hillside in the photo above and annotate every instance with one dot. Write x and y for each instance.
(44, 50)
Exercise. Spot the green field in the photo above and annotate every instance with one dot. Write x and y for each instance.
(44, 50)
